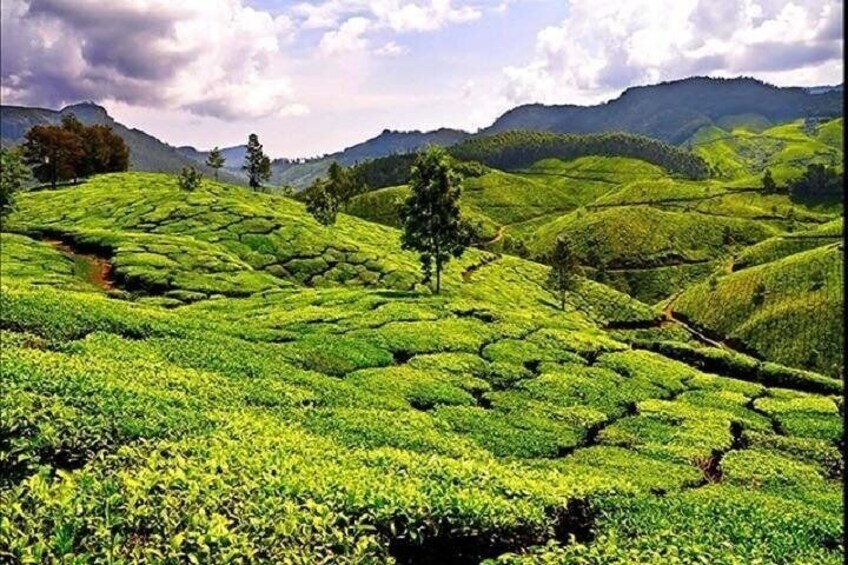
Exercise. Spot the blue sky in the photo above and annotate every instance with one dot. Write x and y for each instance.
(314, 76)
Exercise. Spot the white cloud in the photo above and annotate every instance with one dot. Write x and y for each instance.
(347, 38)
(604, 46)
(401, 16)
(391, 49)
(211, 57)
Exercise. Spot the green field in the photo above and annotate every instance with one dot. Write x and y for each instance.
(242, 384)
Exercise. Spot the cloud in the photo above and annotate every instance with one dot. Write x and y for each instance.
(211, 57)
(401, 16)
(347, 38)
(606, 45)
(391, 49)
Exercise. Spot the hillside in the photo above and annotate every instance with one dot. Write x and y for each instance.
(637, 227)
(788, 309)
(146, 152)
(213, 376)
(674, 111)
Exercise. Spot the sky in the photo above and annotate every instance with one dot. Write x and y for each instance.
(315, 76)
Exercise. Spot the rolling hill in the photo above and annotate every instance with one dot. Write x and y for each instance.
(212, 375)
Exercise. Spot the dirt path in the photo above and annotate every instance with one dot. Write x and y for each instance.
(96, 269)
(498, 236)
(669, 318)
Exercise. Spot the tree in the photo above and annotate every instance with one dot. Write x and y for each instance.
(769, 186)
(562, 275)
(189, 178)
(256, 163)
(288, 190)
(818, 184)
(13, 174)
(104, 151)
(54, 153)
(321, 203)
(326, 196)
(215, 160)
(432, 223)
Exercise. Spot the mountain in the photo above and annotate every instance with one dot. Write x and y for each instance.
(147, 153)
(234, 156)
(673, 111)
(389, 142)
(824, 89)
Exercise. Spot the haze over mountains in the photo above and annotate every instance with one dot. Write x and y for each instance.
(671, 112)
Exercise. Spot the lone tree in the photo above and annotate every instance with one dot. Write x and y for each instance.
(563, 273)
(256, 163)
(769, 186)
(432, 223)
(215, 160)
(13, 174)
(326, 196)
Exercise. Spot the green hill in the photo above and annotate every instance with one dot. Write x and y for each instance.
(213, 376)
(788, 310)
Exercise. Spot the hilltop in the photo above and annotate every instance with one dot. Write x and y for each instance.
(213, 375)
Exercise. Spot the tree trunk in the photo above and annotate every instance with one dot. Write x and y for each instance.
(562, 299)
(438, 276)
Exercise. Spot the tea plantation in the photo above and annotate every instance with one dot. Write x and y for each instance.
(243, 384)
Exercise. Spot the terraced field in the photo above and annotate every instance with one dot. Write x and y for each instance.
(243, 384)
(643, 231)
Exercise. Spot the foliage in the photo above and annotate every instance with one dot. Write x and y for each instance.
(520, 149)
(819, 183)
(769, 186)
(189, 179)
(257, 165)
(215, 160)
(563, 269)
(13, 174)
(431, 219)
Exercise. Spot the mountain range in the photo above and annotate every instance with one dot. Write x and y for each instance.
(669, 111)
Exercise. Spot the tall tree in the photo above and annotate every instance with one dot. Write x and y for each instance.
(53, 152)
(105, 151)
(256, 163)
(563, 273)
(13, 174)
(215, 160)
(432, 223)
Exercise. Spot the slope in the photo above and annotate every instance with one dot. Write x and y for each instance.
(788, 310)
(369, 424)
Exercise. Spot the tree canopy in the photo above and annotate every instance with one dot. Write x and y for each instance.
(73, 150)
(432, 223)
(215, 160)
(256, 163)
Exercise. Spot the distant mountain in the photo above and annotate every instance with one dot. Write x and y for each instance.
(301, 173)
(823, 89)
(234, 156)
(146, 152)
(673, 111)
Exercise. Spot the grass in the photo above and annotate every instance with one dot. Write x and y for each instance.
(347, 419)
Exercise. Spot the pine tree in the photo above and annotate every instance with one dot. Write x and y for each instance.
(431, 219)
(215, 160)
(256, 163)
(562, 275)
